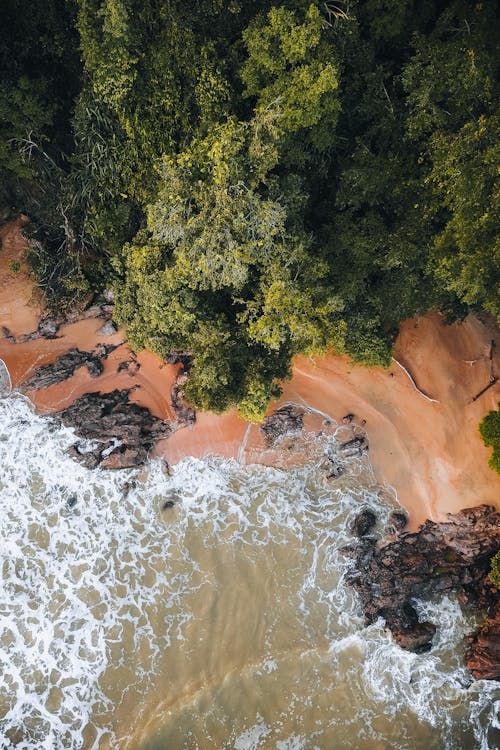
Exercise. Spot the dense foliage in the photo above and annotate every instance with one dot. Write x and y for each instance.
(489, 429)
(495, 570)
(256, 179)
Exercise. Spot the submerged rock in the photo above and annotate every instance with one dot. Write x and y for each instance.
(450, 556)
(364, 522)
(284, 421)
(128, 431)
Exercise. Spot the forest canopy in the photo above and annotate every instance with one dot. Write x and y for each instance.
(256, 179)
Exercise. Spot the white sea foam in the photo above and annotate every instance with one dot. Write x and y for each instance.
(84, 566)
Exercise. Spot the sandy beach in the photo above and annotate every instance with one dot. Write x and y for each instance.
(421, 415)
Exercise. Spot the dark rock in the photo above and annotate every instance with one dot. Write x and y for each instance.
(128, 431)
(398, 520)
(364, 522)
(483, 655)
(124, 457)
(131, 366)
(168, 504)
(7, 334)
(417, 638)
(347, 418)
(72, 501)
(284, 421)
(450, 556)
(94, 366)
(185, 414)
(66, 365)
(89, 459)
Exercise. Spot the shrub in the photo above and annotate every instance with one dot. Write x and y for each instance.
(495, 570)
(489, 430)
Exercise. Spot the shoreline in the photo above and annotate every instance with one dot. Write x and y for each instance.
(420, 417)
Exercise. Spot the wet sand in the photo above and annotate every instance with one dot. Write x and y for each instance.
(425, 443)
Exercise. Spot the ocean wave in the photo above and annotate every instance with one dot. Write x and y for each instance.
(113, 583)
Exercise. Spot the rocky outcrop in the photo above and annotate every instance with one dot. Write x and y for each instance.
(66, 365)
(483, 655)
(363, 523)
(185, 414)
(95, 306)
(286, 420)
(124, 432)
(439, 557)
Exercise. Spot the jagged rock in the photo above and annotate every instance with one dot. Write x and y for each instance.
(108, 329)
(398, 520)
(124, 457)
(128, 431)
(284, 421)
(48, 328)
(131, 366)
(184, 413)
(450, 556)
(364, 522)
(417, 638)
(483, 655)
(65, 366)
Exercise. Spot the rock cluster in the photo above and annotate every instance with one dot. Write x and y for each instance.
(65, 365)
(185, 414)
(284, 421)
(124, 431)
(95, 306)
(451, 556)
(483, 655)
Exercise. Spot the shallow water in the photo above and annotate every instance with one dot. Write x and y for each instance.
(222, 622)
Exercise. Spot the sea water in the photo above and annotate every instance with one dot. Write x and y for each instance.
(221, 622)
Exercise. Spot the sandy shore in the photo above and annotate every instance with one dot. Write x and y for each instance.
(425, 443)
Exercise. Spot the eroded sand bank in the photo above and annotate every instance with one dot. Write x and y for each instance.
(425, 443)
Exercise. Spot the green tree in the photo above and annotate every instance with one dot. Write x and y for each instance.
(495, 570)
(291, 61)
(452, 94)
(489, 430)
(224, 269)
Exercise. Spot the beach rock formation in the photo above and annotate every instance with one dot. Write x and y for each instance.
(185, 414)
(66, 365)
(284, 421)
(483, 655)
(125, 432)
(364, 522)
(439, 557)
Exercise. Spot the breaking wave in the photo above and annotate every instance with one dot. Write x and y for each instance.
(218, 621)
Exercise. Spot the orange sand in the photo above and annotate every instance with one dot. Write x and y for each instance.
(431, 453)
